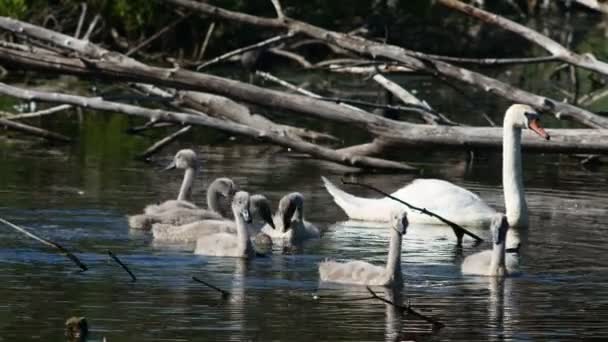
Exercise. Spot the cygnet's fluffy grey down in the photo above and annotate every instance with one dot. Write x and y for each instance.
(237, 245)
(291, 228)
(182, 211)
(260, 212)
(364, 273)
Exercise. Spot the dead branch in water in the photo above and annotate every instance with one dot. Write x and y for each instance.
(50, 243)
(204, 120)
(458, 230)
(39, 132)
(225, 294)
(407, 310)
(36, 114)
(124, 267)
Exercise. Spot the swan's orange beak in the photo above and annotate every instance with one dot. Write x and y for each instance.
(534, 125)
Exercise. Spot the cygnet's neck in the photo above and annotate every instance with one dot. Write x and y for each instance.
(213, 198)
(185, 191)
(512, 176)
(497, 264)
(242, 234)
(393, 261)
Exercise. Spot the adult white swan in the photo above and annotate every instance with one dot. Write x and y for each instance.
(231, 245)
(363, 273)
(451, 201)
(494, 262)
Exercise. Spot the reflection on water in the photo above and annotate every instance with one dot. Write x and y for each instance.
(560, 296)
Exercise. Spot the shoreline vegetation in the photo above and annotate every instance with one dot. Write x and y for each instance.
(170, 82)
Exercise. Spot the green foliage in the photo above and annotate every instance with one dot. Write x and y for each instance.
(13, 8)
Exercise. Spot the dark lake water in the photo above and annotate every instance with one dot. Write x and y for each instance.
(81, 202)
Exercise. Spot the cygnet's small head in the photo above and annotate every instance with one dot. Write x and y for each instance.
(184, 159)
(399, 221)
(240, 206)
(289, 205)
(499, 227)
(260, 208)
(225, 186)
(524, 117)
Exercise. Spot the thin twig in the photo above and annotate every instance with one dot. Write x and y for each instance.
(158, 34)
(225, 294)
(39, 113)
(263, 43)
(408, 309)
(157, 146)
(278, 9)
(458, 230)
(124, 267)
(50, 243)
(83, 13)
(201, 54)
(91, 27)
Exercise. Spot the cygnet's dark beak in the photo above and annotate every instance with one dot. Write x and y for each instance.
(171, 166)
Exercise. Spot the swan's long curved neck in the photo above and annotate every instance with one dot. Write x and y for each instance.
(213, 201)
(497, 264)
(393, 261)
(512, 180)
(185, 191)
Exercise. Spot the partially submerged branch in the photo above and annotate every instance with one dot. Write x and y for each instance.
(225, 294)
(49, 243)
(407, 310)
(39, 132)
(123, 266)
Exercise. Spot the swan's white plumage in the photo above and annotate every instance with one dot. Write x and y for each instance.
(364, 273)
(451, 201)
(441, 197)
(152, 209)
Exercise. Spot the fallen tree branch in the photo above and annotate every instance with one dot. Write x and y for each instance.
(598, 5)
(458, 230)
(204, 120)
(50, 243)
(408, 310)
(39, 132)
(157, 146)
(396, 133)
(124, 267)
(412, 59)
(556, 49)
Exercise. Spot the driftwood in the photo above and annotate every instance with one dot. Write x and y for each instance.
(412, 59)
(407, 310)
(204, 120)
(49, 243)
(598, 5)
(157, 146)
(31, 130)
(556, 49)
(37, 114)
(393, 132)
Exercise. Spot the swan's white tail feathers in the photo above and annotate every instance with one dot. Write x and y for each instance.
(357, 208)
